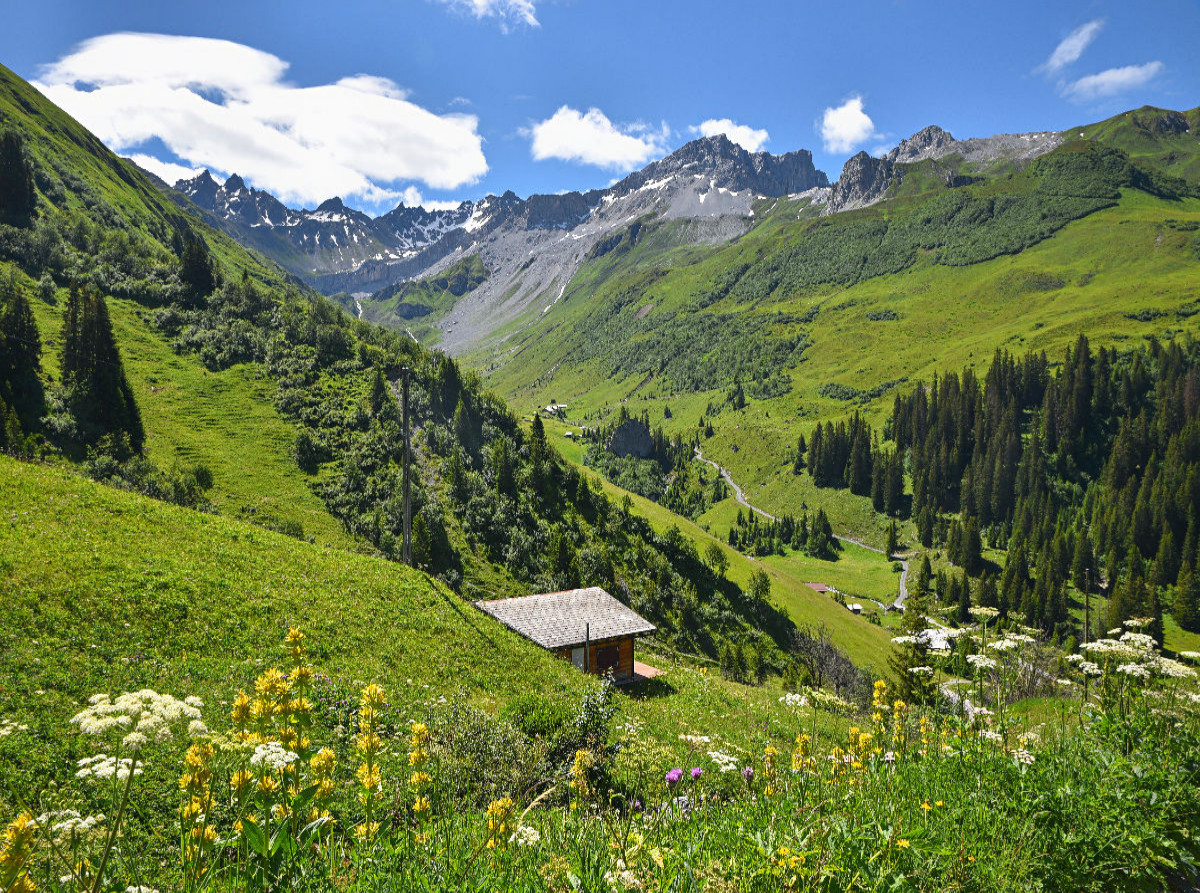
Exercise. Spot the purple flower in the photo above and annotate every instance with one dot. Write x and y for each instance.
(696, 773)
(673, 777)
(748, 773)
(637, 806)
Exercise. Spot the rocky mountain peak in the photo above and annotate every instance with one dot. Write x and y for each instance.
(863, 182)
(234, 184)
(930, 142)
(332, 206)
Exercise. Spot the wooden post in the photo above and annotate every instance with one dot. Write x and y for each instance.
(1087, 605)
(406, 555)
(587, 648)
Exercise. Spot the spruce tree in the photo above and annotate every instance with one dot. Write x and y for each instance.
(1187, 599)
(98, 392)
(18, 200)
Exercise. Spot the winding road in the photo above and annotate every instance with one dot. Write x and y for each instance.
(740, 496)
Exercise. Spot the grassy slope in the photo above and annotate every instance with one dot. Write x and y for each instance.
(865, 643)
(949, 317)
(225, 420)
(108, 591)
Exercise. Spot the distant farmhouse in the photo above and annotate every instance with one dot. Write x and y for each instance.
(588, 627)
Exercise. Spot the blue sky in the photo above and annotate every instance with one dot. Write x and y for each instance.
(443, 100)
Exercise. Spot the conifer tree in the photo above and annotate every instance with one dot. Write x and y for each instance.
(1187, 599)
(98, 391)
(18, 200)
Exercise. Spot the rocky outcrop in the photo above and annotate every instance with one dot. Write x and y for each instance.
(729, 166)
(632, 438)
(932, 142)
(863, 182)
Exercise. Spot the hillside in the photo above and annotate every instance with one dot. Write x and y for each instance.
(261, 400)
(819, 351)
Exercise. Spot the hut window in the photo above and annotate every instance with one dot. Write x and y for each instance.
(607, 658)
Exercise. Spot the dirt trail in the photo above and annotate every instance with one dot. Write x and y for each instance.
(742, 500)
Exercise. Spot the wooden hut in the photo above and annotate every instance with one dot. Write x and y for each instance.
(588, 627)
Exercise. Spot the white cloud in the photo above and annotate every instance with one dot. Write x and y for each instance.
(1111, 82)
(590, 138)
(509, 12)
(169, 172)
(225, 106)
(747, 137)
(846, 127)
(1072, 47)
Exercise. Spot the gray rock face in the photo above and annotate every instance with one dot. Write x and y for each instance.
(631, 438)
(932, 142)
(863, 182)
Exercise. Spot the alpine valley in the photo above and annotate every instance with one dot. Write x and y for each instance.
(901, 469)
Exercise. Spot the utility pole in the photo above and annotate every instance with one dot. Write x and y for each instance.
(1087, 605)
(406, 555)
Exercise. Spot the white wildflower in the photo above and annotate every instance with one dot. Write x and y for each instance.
(1137, 671)
(921, 671)
(197, 729)
(1088, 668)
(694, 740)
(981, 661)
(525, 836)
(274, 755)
(904, 640)
(989, 735)
(984, 612)
(1023, 757)
(1139, 640)
(1073, 658)
(725, 762)
(1002, 645)
(794, 700)
(134, 741)
(1173, 669)
(1138, 622)
(1193, 656)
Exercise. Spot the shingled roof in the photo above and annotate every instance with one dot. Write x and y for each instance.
(559, 619)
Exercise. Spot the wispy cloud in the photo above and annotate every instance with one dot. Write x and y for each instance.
(1111, 82)
(749, 138)
(1071, 47)
(226, 106)
(507, 12)
(591, 138)
(847, 126)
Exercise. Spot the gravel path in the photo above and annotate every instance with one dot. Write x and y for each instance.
(740, 496)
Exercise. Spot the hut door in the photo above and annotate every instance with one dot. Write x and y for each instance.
(607, 658)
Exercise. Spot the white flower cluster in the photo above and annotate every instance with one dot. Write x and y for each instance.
(1139, 640)
(7, 727)
(1172, 669)
(1023, 757)
(1113, 648)
(725, 762)
(525, 836)
(921, 671)
(274, 754)
(1090, 668)
(981, 661)
(621, 878)
(905, 640)
(989, 735)
(1137, 671)
(68, 824)
(1193, 656)
(694, 740)
(104, 766)
(985, 612)
(794, 700)
(1005, 644)
(140, 889)
(147, 712)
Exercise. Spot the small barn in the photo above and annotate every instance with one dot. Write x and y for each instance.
(588, 627)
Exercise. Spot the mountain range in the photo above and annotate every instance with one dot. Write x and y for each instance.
(530, 249)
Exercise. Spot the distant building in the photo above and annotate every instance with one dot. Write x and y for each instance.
(588, 627)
